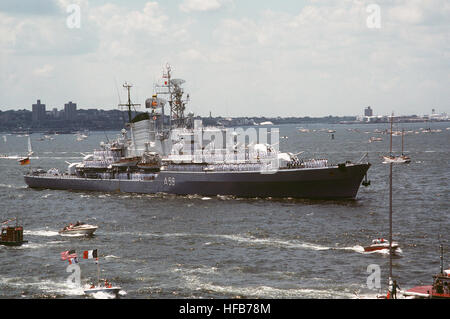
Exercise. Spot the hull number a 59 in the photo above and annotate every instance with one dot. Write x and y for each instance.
(170, 181)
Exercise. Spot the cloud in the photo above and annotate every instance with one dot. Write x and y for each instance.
(44, 71)
(419, 12)
(30, 7)
(317, 60)
(201, 5)
(45, 34)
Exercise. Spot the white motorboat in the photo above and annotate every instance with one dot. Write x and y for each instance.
(78, 229)
(380, 244)
(107, 289)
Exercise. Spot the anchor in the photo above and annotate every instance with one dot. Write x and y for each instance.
(365, 181)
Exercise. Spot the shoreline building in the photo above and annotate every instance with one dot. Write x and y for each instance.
(38, 112)
(368, 111)
(70, 111)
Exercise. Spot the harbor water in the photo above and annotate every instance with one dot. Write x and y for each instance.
(166, 246)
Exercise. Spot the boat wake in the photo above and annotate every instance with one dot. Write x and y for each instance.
(195, 283)
(385, 252)
(46, 286)
(102, 295)
(72, 235)
(13, 186)
(39, 232)
(253, 241)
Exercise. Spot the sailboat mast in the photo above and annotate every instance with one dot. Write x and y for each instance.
(98, 272)
(390, 140)
(390, 206)
(403, 133)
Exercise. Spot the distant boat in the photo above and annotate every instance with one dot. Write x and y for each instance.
(26, 160)
(266, 123)
(375, 139)
(402, 159)
(12, 235)
(47, 137)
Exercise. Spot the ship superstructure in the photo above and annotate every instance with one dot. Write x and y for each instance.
(163, 150)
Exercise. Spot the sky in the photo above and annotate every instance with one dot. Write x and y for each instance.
(238, 57)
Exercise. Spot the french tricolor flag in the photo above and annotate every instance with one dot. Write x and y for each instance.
(90, 254)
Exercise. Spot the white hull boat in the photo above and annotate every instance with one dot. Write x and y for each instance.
(110, 290)
(86, 230)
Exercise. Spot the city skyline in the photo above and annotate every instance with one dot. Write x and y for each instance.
(295, 58)
(366, 111)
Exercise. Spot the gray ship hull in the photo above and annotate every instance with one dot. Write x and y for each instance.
(315, 183)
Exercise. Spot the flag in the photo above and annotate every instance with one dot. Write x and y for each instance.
(89, 254)
(68, 254)
(24, 161)
(7, 221)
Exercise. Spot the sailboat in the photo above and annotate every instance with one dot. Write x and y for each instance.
(26, 160)
(402, 159)
(106, 286)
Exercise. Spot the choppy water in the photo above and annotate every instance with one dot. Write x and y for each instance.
(163, 246)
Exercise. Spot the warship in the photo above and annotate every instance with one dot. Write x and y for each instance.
(162, 150)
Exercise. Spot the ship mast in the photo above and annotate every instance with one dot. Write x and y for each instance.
(128, 104)
(172, 88)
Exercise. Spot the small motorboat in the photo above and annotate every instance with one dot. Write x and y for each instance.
(107, 288)
(78, 229)
(375, 139)
(380, 244)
